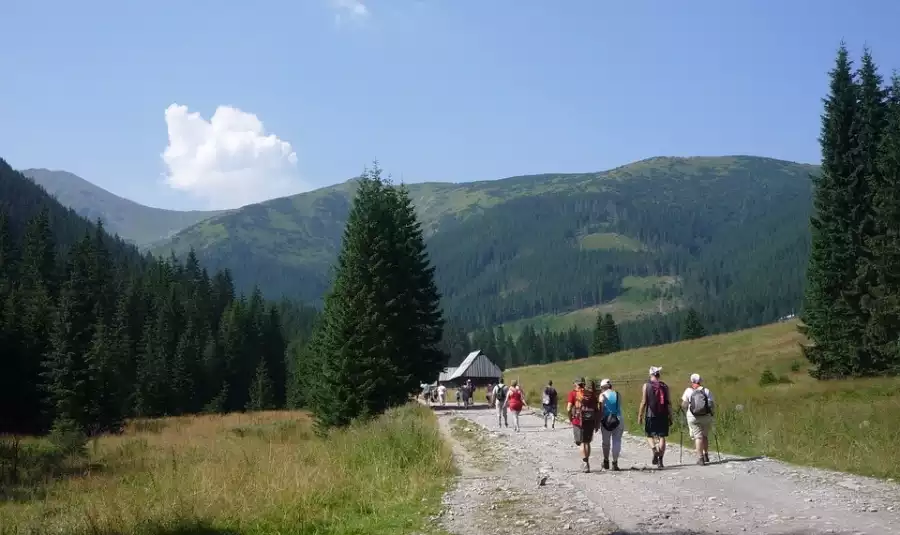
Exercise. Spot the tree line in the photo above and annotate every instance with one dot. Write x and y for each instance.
(93, 332)
(851, 311)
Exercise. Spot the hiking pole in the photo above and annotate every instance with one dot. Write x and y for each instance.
(680, 441)
(716, 438)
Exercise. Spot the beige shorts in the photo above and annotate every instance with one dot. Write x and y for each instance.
(700, 426)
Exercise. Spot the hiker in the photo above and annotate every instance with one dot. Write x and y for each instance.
(458, 395)
(515, 400)
(655, 413)
(582, 406)
(612, 425)
(488, 391)
(442, 395)
(697, 403)
(549, 401)
(499, 396)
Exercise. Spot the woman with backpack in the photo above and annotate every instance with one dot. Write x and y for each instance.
(655, 414)
(697, 402)
(612, 425)
(515, 400)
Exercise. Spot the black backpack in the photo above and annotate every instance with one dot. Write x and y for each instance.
(501, 393)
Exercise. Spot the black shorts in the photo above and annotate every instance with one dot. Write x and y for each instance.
(583, 434)
(656, 426)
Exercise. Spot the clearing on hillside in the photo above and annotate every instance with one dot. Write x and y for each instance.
(767, 402)
(640, 295)
(248, 473)
(608, 241)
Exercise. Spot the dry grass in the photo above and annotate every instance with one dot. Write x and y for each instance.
(246, 474)
(849, 425)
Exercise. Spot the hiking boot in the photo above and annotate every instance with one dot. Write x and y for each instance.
(615, 466)
(660, 463)
(706, 457)
(701, 461)
(587, 467)
(655, 457)
(606, 464)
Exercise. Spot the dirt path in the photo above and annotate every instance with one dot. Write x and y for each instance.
(498, 491)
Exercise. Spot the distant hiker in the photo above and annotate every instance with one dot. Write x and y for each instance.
(442, 395)
(499, 396)
(582, 406)
(656, 414)
(459, 395)
(515, 399)
(549, 401)
(488, 392)
(697, 402)
(612, 425)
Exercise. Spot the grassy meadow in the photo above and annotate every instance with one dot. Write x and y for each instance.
(767, 402)
(240, 474)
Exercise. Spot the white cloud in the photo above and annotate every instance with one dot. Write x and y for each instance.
(229, 160)
(354, 9)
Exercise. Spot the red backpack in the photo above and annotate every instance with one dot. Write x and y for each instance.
(658, 398)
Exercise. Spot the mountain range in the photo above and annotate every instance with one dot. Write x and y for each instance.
(136, 223)
(728, 235)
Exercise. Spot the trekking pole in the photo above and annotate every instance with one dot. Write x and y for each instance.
(716, 438)
(680, 441)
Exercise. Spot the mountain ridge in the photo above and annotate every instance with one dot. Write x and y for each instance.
(131, 220)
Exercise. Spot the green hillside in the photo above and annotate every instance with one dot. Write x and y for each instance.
(134, 222)
(528, 246)
(847, 425)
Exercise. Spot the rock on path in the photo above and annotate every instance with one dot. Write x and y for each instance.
(499, 489)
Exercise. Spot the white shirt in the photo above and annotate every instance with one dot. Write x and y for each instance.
(686, 398)
(442, 390)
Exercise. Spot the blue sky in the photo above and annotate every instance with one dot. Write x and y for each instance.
(435, 89)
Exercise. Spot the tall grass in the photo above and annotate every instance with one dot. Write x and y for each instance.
(850, 425)
(246, 474)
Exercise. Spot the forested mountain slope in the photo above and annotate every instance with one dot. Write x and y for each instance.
(92, 332)
(134, 222)
(731, 230)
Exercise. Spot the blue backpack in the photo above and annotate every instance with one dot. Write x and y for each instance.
(611, 410)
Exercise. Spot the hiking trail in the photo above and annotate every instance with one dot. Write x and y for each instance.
(499, 492)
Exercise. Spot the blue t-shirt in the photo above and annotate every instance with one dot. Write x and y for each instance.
(611, 404)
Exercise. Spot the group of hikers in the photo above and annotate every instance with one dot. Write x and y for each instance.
(590, 406)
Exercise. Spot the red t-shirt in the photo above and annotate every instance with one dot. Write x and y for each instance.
(571, 401)
(515, 399)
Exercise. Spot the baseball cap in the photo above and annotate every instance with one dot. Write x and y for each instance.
(605, 382)
(579, 381)
(654, 370)
(695, 378)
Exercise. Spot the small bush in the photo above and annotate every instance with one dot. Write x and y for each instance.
(767, 377)
(68, 438)
(795, 366)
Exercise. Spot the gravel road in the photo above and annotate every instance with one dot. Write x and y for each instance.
(498, 491)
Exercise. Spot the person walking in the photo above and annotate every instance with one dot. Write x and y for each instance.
(655, 413)
(612, 425)
(516, 402)
(582, 406)
(697, 403)
(549, 401)
(499, 396)
(442, 395)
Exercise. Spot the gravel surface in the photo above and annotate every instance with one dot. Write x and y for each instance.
(499, 490)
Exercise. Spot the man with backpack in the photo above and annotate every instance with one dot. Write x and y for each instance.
(697, 402)
(655, 413)
(583, 406)
(612, 425)
(549, 401)
(499, 396)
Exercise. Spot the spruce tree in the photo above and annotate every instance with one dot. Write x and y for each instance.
(867, 131)
(828, 320)
(883, 305)
(693, 327)
(613, 342)
(600, 343)
(262, 395)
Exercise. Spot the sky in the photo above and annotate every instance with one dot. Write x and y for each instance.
(209, 104)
